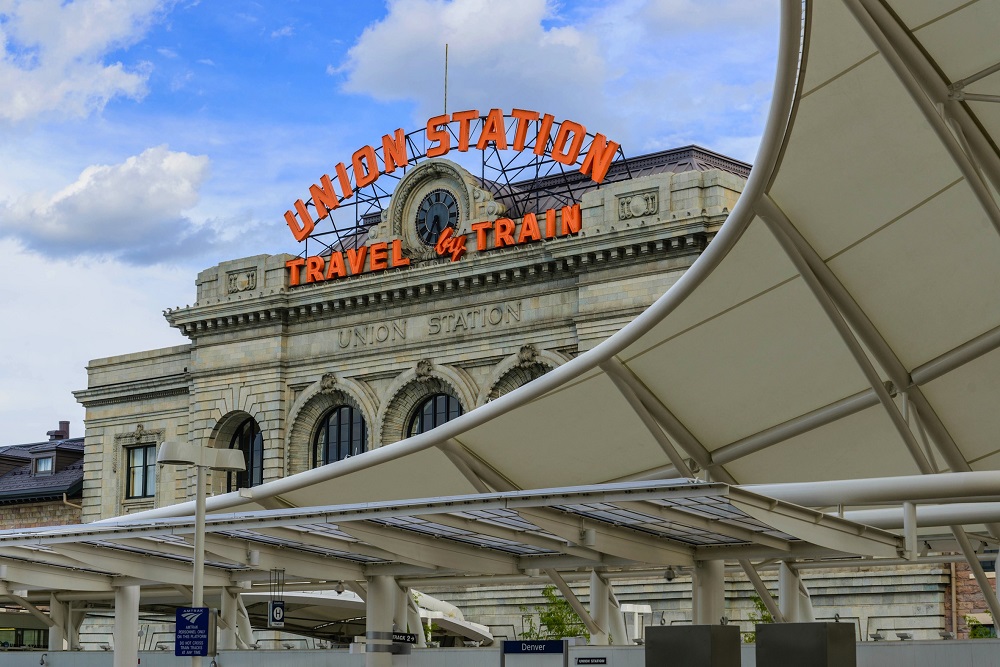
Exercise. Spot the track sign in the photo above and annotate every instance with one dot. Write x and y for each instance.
(276, 614)
(404, 638)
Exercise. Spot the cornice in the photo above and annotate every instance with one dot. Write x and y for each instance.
(432, 280)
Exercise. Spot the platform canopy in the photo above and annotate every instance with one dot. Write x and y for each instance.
(843, 324)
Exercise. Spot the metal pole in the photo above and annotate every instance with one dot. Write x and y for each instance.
(198, 591)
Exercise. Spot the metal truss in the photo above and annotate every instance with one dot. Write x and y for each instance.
(523, 181)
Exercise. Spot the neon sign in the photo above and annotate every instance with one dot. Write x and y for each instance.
(563, 142)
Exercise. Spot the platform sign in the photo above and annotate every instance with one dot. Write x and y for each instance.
(404, 638)
(535, 653)
(276, 614)
(192, 631)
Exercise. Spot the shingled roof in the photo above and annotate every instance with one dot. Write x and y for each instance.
(18, 484)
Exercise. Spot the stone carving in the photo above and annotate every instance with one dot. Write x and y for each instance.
(328, 382)
(637, 205)
(243, 280)
(527, 355)
(424, 370)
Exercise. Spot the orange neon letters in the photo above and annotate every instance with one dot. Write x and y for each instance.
(394, 151)
(437, 131)
(494, 131)
(365, 167)
(565, 147)
(464, 118)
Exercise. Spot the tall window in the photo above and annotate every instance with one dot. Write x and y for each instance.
(249, 440)
(434, 411)
(342, 433)
(141, 474)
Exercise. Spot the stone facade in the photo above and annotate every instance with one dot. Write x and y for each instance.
(380, 342)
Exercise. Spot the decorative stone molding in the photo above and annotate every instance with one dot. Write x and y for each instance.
(243, 280)
(411, 387)
(398, 220)
(140, 436)
(315, 400)
(527, 364)
(638, 204)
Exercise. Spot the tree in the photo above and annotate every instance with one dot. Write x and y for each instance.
(760, 614)
(556, 619)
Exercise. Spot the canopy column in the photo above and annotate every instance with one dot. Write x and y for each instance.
(126, 632)
(708, 592)
(619, 633)
(399, 610)
(793, 599)
(229, 608)
(413, 619)
(380, 607)
(58, 631)
(599, 608)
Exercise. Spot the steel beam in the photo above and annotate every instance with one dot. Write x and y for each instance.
(762, 592)
(592, 627)
(425, 548)
(920, 89)
(614, 371)
(780, 225)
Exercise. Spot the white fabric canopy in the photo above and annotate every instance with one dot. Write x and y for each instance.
(842, 324)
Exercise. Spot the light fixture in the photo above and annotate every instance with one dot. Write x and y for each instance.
(670, 573)
(339, 588)
(202, 458)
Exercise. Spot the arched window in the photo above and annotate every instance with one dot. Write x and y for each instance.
(342, 433)
(433, 411)
(249, 440)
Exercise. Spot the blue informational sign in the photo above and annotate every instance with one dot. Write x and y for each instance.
(276, 614)
(534, 646)
(192, 631)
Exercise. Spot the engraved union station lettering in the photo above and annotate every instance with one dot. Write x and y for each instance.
(459, 321)
(370, 335)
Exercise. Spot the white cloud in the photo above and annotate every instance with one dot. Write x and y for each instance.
(286, 31)
(500, 55)
(69, 311)
(52, 55)
(167, 53)
(644, 72)
(128, 208)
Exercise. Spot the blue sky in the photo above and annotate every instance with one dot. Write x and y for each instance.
(143, 141)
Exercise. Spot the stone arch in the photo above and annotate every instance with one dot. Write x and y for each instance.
(303, 419)
(221, 436)
(413, 386)
(527, 364)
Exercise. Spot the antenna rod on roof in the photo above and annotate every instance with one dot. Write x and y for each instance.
(446, 79)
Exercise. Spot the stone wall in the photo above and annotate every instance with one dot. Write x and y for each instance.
(33, 515)
(969, 599)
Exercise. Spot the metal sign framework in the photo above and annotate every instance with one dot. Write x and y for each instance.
(522, 180)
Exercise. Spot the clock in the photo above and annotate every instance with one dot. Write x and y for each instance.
(437, 211)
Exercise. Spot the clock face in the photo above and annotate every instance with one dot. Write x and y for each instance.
(437, 211)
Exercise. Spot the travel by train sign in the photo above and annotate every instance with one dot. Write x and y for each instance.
(565, 143)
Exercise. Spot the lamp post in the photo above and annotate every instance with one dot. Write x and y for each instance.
(202, 458)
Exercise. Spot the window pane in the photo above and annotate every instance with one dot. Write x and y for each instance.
(150, 463)
(434, 411)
